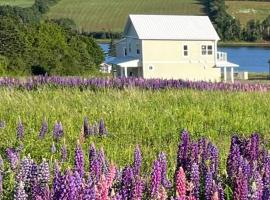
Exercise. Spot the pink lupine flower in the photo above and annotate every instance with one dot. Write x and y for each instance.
(181, 183)
(111, 175)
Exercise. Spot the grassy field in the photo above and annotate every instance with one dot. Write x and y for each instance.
(246, 10)
(150, 119)
(21, 3)
(93, 15)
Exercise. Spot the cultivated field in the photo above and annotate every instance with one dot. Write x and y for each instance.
(152, 119)
(93, 15)
(246, 10)
(21, 3)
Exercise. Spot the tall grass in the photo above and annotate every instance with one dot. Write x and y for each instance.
(152, 119)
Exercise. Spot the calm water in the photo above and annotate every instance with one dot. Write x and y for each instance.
(251, 59)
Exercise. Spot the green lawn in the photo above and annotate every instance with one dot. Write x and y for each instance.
(21, 3)
(97, 15)
(246, 10)
(150, 119)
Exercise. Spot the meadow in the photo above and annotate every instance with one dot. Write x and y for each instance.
(92, 15)
(152, 119)
(247, 10)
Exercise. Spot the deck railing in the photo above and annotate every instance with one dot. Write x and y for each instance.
(221, 56)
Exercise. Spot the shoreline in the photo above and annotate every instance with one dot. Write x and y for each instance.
(244, 44)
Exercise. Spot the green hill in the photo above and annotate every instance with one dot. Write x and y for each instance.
(21, 3)
(247, 10)
(98, 15)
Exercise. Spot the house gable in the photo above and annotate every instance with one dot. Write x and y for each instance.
(130, 30)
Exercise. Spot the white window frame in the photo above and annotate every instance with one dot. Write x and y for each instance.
(183, 50)
(206, 50)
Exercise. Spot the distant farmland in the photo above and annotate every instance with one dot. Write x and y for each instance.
(246, 10)
(98, 15)
(21, 3)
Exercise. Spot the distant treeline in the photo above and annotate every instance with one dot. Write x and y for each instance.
(29, 45)
(230, 28)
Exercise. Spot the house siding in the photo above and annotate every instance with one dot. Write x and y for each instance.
(168, 61)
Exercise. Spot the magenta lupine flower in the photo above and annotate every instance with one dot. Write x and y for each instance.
(79, 160)
(43, 129)
(20, 130)
(137, 190)
(111, 175)
(208, 185)
(137, 161)
(163, 164)
(195, 180)
(162, 195)
(182, 154)
(63, 153)
(180, 183)
(13, 158)
(19, 193)
(155, 179)
(44, 173)
(240, 186)
(102, 189)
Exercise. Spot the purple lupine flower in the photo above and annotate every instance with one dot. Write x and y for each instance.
(214, 162)
(34, 187)
(13, 158)
(20, 130)
(208, 185)
(127, 183)
(220, 192)
(86, 127)
(195, 180)
(92, 156)
(102, 128)
(233, 158)
(254, 147)
(19, 193)
(2, 124)
(102, 160)
(63, 153)
(137, 161)
(137, 190)
(256, 187)
(194, 152)
(266, 181)
(182, 154)
(95, 128)
(24, 172)
(43, 129)
(65, 187)
(79, 159)
(241, 186)
(163, 164)
(79, 182)
(58, 131)
(53, 148)
(155, 179)
(89, 192)
(44, 173)
(57, 181)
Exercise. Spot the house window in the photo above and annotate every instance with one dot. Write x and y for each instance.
(129, 47)
(125, 51)
(151, 68)
(138, 49)
(207, 49)
(185, 48)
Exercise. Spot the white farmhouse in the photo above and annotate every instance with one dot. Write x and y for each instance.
(171, 47)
